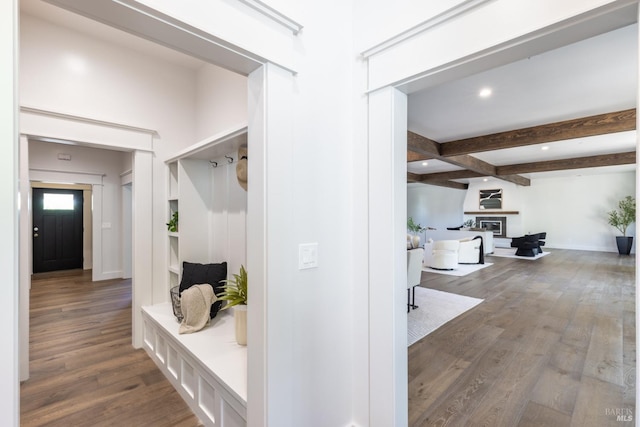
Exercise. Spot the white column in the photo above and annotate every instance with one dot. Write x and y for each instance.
(142, 283)
(9, 386)
(25, 251)
(270, 241)
(387, 258)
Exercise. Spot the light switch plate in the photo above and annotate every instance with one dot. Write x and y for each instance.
(307, 255)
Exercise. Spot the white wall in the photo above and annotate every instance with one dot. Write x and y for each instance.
(572, 210)
(43, 156)
(319, 206)
(228, 217)
(65, 71)
(221, 100)
(433, 206)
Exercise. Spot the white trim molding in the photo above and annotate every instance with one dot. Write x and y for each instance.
(126, 177)
(68, 116)
(51, 175)
(274, 15)
(65, 128)
(452, 12)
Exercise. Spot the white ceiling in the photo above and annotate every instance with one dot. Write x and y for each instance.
(64, 18)
(594, 76)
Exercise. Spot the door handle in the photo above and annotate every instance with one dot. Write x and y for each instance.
(35, 228)
(35, 234)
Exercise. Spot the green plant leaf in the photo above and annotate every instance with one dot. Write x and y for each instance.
(624, 215)
(235, 290)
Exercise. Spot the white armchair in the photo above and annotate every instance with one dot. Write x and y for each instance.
(447, 254)
(442, 254)
(470, 251)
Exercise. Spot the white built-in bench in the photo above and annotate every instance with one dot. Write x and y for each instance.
(208, 368)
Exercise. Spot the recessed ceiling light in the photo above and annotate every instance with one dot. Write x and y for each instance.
(544, 147)
(485, 92)
(424, 163)
(486, 179)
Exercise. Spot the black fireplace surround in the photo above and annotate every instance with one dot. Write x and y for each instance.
(497, 224)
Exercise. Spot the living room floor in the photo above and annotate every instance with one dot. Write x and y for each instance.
(552, 344)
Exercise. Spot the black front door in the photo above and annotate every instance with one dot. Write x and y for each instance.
(57, 229)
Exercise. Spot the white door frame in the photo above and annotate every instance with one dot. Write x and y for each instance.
(387, 115)
(61, 127)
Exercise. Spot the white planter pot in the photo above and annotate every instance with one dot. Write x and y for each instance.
(240, 316)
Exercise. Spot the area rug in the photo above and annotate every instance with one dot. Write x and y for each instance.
(511, 253)
(435, 308)
(462, 270)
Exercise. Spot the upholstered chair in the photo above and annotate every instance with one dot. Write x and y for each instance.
(469, 252)
(444, 255)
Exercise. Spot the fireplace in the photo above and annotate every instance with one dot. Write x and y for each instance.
(496, 224)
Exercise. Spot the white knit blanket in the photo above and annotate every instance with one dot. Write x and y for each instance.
(196, 307)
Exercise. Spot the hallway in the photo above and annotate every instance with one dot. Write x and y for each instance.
(84, 371)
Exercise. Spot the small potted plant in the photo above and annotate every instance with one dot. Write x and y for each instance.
(172, 225)
(414, 230)
(621, 218)
(235, 293)
(468, 224)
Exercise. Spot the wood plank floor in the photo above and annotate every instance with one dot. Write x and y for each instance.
(84, 371)
(553, 344)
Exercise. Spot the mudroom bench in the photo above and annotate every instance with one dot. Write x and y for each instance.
(208, 368)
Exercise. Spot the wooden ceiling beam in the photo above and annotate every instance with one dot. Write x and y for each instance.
(444, 176)
(414, 177)
(417, 157)
(615, 159)
(602, 160)
(486, 169)
(450, 184)
(427, 147)
(619, 121)
(423, 146)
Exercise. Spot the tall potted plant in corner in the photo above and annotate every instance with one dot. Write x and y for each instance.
(621, 218)
(235, 293)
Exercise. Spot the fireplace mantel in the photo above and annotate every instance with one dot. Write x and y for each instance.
(492, 213)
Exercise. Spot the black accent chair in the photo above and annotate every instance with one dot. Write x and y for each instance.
(529, 245)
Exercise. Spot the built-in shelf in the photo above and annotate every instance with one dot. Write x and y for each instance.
(489, 213)
(207, 368)
(214, 146)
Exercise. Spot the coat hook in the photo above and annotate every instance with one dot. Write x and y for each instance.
(229, 158)
(214, 164)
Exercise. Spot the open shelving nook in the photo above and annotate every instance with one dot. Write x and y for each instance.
(208, 368)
